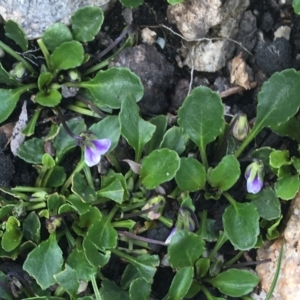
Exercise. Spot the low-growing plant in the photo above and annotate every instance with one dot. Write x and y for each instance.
(67, 227)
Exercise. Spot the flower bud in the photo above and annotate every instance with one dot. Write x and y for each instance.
(254, 175)
(240, 128)
(19, 72)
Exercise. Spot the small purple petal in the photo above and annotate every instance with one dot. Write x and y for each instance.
(102, 146)
(91, 157)
(254, 186)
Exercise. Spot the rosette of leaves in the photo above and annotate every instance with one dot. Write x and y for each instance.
(64, 55)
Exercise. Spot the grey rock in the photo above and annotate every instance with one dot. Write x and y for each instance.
(36, 15)
(156, 74)
(274, 57)
(215, 20)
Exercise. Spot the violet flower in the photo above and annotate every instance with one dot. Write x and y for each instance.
(254, 175)
(94, 149)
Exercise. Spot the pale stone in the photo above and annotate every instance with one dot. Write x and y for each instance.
(195, 19)
(36, 15)
(288, 285)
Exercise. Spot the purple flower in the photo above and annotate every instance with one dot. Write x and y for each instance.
(94, 149)
(254, 175)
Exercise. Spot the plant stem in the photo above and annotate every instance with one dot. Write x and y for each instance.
(30, 189)
(234, 259)
(88, 175)
(220, 242)
(95, 287)
(203, 223)
(203, 157)
(17, 57)
(253, 133)
(230, 199)
(45, 53)
(82, 111)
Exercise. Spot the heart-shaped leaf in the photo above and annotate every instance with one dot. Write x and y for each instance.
(201, 116)
(136, 131)
(235, 283)
(68, 280)
(191, 175)
(86, 23)
(50, 99)
(67, 56)
(185, 248)
(44, 262)
(111, 87)
(158, 167)
(55, 35)
(16, 33)
(241, 225)
(225, 174)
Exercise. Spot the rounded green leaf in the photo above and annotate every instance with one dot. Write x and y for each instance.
(158, 167)
(241, 225)
(139, 289)
(12, 237)
(267, 204)
(9, 99)
(32, 151)
(287, 187)
(235, 283)
(174, 140)
(16, 33)
(201, 116)
(191, 175)
(44, 262)
(67, 56)
(280, 158)
(49, 99)
(225, 174)
(278, 99)
(112, 86)
(296, 6)
(131, 3)
(55, 35)
(185, 248)
(86, 23)
(181, 283)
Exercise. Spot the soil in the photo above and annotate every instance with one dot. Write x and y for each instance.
(269, 16)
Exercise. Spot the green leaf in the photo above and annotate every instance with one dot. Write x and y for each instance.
(174, 2)
(131, 3)
(67, 56)
(68, 280)
(241, 225)
(86, 23)
(278, 99)
(160, 122)
(63, 142)
(110, 290)
(108, 128)
(235, 283)
(287, 187)
(82, 190)
(77, 261)
(111, 87)
(136, 131)
(296, 6)
(55, 35)
(139, 289)
(267, 204)
(158, 167)
(9, 99)
(44, 80)
(57, 177)
(225, 174)
(174, 140)
(180, 284)
(32, 151)
(16, 33)
(279, 158)
(113, 190)
(201, 116)
(32, 228)
(6, 78)
(44, 262)
(12, 236)
(50, 99)
(291, 128)
(185, 248)
(191, 175)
